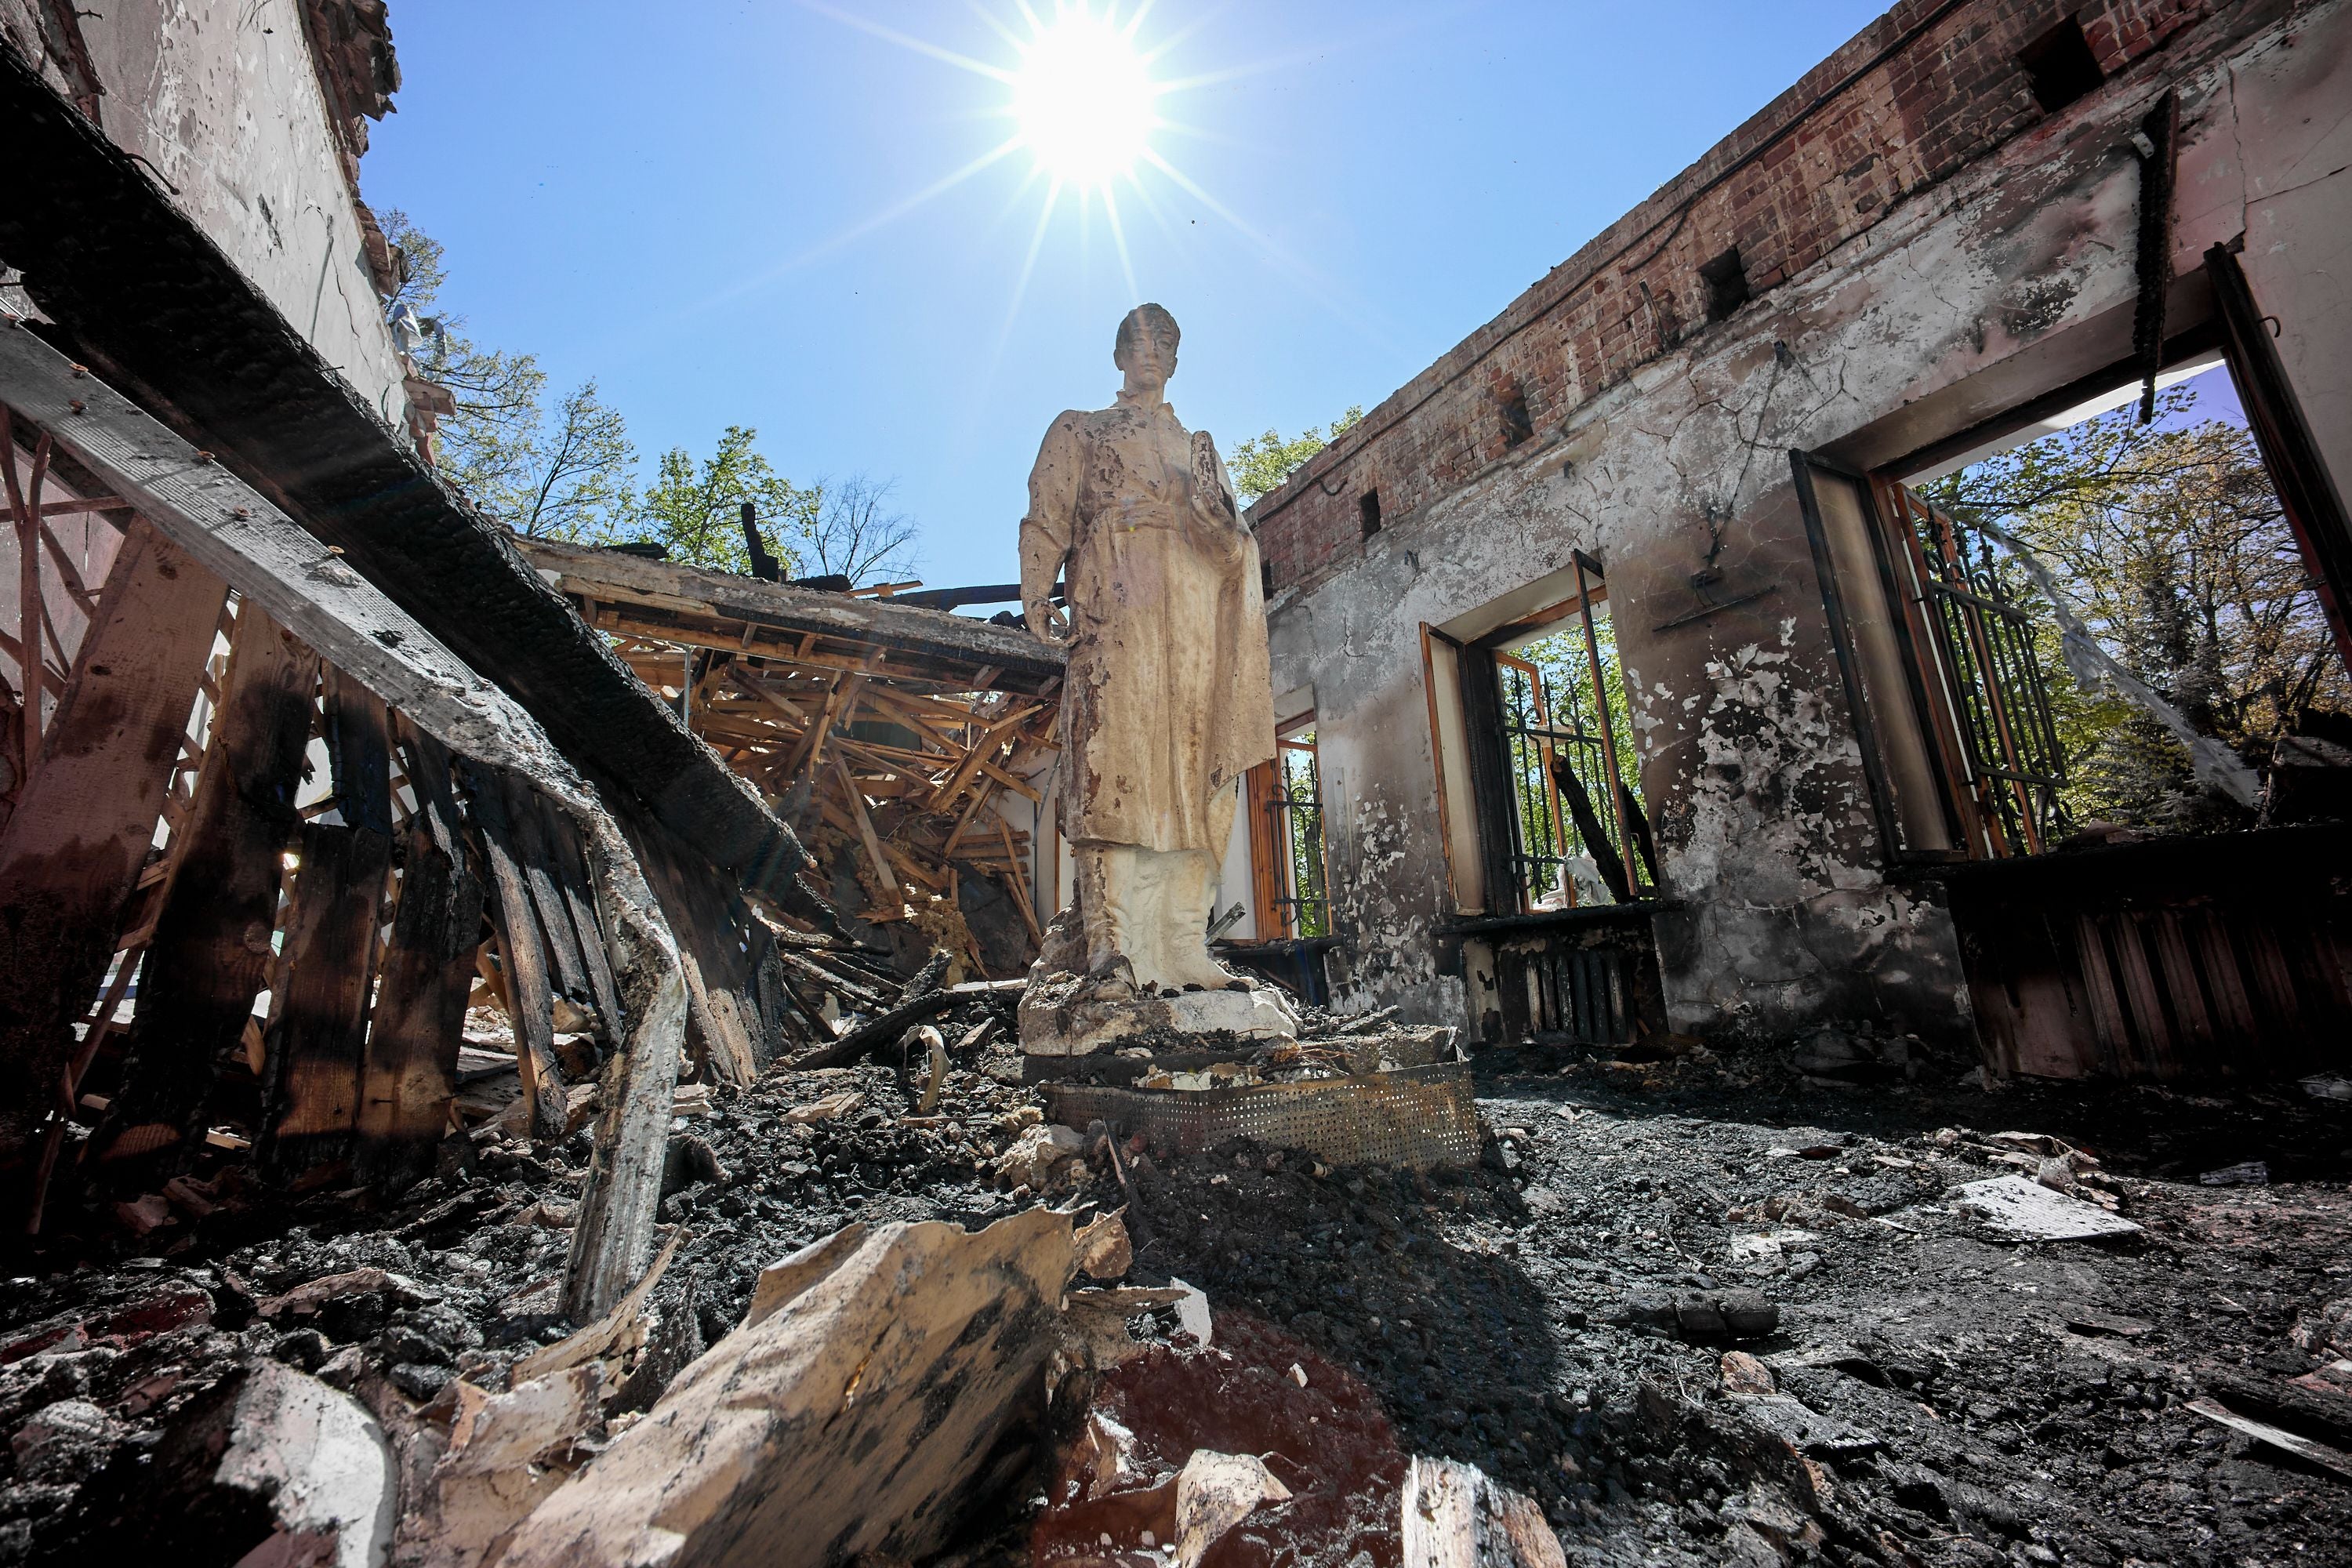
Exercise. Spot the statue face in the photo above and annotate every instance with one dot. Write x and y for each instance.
(1149, 359)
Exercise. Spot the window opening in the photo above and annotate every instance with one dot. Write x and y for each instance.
(2127, 631)
(1989, 667)
(1578, 835)
(1518, 425)
(2061, 65)
(1726, 277)
(1286, 799)
(1367, 506)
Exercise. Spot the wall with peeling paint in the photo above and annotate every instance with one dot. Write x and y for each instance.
(222, 104)
(1974, 285)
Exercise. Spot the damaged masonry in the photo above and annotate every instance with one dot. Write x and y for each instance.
(1594, 977)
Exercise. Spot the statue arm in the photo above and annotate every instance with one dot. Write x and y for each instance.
(1046, 530)
(1215, 507)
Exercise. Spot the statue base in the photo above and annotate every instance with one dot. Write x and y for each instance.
(1073, 1015)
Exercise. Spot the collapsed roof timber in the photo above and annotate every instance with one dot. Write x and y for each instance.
(489, 1027)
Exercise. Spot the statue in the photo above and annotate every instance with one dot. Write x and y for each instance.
(1167, 702)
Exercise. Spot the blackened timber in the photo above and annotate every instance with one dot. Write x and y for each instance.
(211, 953)
(411, 1066)
(526, 827)
(71, 854)
(522, 954)
(719, 984)
(948, 646)
(570, 872)
(145, 295)
(318, 1028)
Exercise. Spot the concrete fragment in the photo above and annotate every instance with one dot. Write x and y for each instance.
(1039, 1157)
(2033, 1212)
(1215, 1492)
(1743, 1374)
(849, 1421)
(506, 1453)
(1105, 1252)
(320, 1460)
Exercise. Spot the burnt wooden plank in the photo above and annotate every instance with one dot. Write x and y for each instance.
(526, 827)
(410, 1072)
(719, 978)
(569, 869)
(71, 854)
(212, 948)
(521, 951)
(318, 1028)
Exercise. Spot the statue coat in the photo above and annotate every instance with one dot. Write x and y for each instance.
(1169, 697)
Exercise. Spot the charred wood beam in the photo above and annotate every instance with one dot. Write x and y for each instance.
(278, 568)
(957, 645)
(522, 954)
(144, 293)
(411, 1072)
(71, 855)
(318, 1027)
(211, 954)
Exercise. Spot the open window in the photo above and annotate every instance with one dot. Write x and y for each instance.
(2082, 624)
(1285, 799)
(1560, 815)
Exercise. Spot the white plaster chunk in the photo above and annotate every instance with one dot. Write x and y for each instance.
(2033, 1212)
(320, 1458)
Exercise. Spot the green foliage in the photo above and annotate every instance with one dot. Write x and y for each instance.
(1566, 670)
(568, 472)
(2170, 541)
(695, 510)
(560, 473)
(1260, 463)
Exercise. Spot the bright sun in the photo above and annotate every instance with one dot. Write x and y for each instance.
(1082, 97)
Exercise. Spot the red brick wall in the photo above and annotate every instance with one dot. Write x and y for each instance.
(1917, 95)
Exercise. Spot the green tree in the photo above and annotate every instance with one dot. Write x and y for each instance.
(560, 473)
(694, 510)
(2170, 541)
(1260, 463)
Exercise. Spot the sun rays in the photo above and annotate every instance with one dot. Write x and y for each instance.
(1081, 102)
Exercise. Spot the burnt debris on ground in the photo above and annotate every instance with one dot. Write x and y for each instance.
(1721, 1320)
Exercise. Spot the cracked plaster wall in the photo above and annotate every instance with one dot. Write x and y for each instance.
(222, 102)
(1750, 767)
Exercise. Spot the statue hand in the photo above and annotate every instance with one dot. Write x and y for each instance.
(1046, 623)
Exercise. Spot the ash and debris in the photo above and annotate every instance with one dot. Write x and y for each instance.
(1559, 1315)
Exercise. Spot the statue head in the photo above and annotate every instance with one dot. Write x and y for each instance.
(1145, 351)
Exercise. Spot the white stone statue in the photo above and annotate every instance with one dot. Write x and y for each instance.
(1167, 702)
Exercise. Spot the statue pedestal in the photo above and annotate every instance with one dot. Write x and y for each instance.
(1066, 1015)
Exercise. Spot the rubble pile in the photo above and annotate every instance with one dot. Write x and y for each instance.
(1721, 1323)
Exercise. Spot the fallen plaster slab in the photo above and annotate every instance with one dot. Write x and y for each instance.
(323, 1462)
(2034, 1213)
(848, 1421)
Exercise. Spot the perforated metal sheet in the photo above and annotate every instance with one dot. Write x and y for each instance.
(1413, 1117)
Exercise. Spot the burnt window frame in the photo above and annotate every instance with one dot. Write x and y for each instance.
(1863, 711)
(1280, 820)
(1496, 777)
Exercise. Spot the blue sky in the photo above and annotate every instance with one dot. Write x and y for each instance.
(682, 202)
